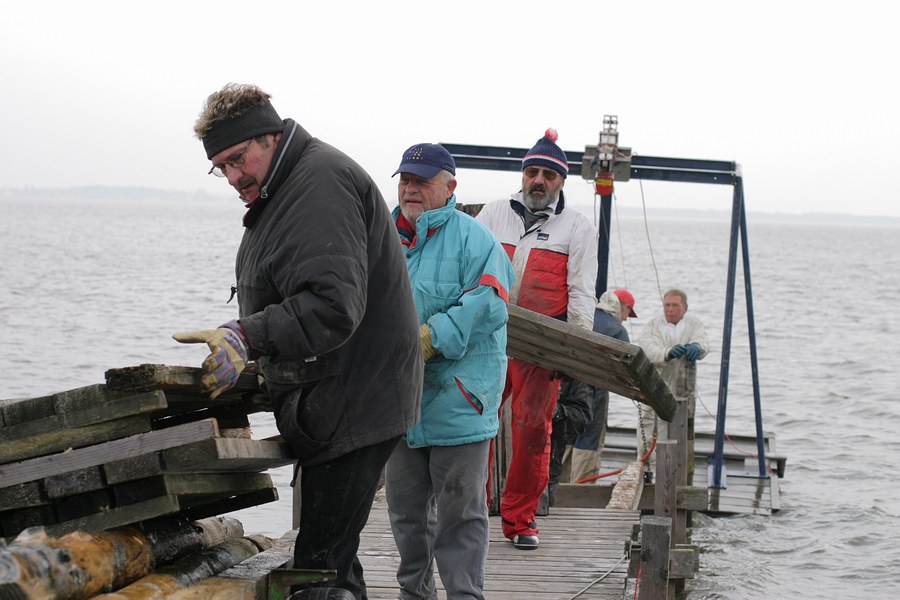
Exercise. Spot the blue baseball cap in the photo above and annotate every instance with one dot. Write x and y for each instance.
(426, 161)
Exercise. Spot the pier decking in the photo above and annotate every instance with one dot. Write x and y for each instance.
(582, 554)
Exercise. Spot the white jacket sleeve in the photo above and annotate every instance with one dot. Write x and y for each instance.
(582, 274)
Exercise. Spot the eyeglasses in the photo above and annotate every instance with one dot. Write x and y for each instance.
(235, 161)
(549, 174)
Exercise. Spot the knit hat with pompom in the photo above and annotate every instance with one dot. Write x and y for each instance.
(546, 153)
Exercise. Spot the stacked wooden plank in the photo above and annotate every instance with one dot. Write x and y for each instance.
(145, 444)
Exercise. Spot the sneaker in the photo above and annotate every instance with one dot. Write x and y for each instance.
(525, 542)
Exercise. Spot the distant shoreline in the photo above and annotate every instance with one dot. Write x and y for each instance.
(137, 194)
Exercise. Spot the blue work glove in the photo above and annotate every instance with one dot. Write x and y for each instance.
(228, 353)
(692, 351)
(676, 351)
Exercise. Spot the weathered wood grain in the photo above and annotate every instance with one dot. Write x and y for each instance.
(596, 359)
(227, 454)
(182, 380)
(66, 439)
(103, 410)
(153, 441)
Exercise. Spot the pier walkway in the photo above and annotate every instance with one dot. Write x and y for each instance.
(582, 555)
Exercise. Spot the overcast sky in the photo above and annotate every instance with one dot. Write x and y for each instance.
(802, 94)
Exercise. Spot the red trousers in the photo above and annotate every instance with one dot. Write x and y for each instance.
(533, 396)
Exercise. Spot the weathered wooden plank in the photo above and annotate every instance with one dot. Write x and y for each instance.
(82, 505)
(65, 439)
(74, 482)
(20, 410)
(204, 486)
(103, 410)
(118, 516)
(626, 494)
(228, 454)
(21, 495)
(135, 467)
(182, 380)
(230, 504)
(14, 521)
(555, 345)
(45, 466)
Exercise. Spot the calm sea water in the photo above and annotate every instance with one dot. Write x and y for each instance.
(92, 284)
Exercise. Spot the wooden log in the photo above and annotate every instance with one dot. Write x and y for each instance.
(252, 578)
(190, 569)
(176, 536)
(81, 565)
(596, 359)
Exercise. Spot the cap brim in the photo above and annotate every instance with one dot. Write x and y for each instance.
(423, 171)
(631, 313)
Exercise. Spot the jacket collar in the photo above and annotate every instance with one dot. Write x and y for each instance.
(429, 221)
(289, 151)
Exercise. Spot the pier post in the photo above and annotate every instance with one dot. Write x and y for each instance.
(653, 581)
(664, 493)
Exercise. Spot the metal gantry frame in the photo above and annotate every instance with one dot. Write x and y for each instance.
(657, 168)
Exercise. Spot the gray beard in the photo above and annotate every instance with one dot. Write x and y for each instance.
(535, 203)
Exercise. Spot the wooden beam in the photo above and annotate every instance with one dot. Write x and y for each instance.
(55, 464)
(655, 538)
(588, 356)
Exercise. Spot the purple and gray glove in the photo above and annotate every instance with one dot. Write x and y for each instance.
(228, 354)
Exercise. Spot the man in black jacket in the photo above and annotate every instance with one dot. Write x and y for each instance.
(326, 310)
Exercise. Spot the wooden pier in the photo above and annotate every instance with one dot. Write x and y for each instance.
(94, 463)
(583, 550)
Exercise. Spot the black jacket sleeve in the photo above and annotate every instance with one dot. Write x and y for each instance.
(573, 409)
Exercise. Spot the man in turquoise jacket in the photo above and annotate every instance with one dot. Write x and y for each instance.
(436, 478)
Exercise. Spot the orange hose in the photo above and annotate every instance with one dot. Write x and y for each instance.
(644, 460)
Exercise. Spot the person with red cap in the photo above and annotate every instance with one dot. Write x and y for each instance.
(553, 249)
(579, 425)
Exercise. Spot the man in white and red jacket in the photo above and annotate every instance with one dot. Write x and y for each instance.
(553, 249)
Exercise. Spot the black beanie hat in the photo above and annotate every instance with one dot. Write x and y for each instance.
(251, 122)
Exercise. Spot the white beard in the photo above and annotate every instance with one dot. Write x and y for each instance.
(535, 203)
